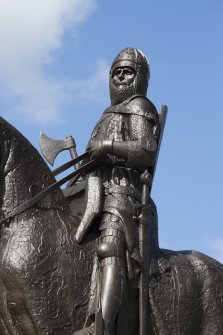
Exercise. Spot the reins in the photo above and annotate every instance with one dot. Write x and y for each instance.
(31, 202)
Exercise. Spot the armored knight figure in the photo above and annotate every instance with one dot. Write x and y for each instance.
(123, 144)
(114, 279)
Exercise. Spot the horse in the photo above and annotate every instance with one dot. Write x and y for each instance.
(46, 277)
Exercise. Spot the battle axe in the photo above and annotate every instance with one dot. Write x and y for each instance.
(51, 148)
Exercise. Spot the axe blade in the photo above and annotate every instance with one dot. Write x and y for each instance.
(50, 148)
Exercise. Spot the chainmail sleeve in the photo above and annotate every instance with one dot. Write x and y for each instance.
(143, 127)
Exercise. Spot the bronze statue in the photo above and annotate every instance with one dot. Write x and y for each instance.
(87, 260)
(124, 143)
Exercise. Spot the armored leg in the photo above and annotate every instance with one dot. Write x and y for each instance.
(113, 278)
(112, 275)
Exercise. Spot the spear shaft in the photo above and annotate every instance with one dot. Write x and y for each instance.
(145, 232)
(144, 238)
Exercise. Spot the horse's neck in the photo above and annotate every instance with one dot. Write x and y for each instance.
(24, 174)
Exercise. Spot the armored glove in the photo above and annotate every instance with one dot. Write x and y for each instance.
(100, 149)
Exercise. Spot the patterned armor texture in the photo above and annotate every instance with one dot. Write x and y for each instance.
(134, 122)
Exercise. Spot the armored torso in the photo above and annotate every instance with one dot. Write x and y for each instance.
(132, 121)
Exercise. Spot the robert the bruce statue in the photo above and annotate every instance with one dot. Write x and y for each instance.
(123, 144)
(114, 280)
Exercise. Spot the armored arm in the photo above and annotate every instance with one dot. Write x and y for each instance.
(142, 145)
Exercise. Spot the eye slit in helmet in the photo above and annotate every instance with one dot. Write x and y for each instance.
(129, 71)
(116, 72)
(125, 70)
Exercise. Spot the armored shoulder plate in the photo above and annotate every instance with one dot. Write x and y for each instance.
(140, 105)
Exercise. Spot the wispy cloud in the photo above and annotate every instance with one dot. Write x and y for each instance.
(215, 245)
(94, 87)
(29, 31)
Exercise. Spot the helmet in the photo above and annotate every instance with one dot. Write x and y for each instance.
(136, 60)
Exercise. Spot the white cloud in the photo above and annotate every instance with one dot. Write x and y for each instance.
(215, 245)
(29, 31)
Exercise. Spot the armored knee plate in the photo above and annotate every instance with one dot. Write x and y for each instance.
(107, 249)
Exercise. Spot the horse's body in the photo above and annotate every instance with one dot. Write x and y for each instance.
(186, 297)
(45, 276)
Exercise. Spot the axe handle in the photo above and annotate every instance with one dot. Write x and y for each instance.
(72, 149)
(73, 154)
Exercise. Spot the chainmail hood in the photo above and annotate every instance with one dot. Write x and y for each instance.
(130, 57)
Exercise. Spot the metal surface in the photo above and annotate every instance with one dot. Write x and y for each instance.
(120, 139)
(67, 165)
(116, 280)
(38, 197)
(42, 270)
(51, 148)
(94, 190)
(144, 244)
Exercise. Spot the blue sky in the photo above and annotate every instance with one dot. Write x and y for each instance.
(54, 62)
